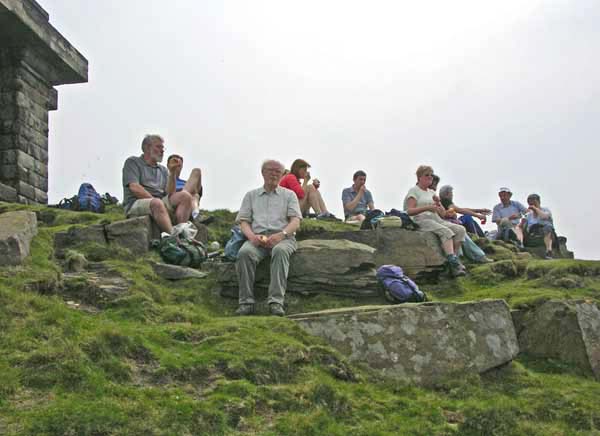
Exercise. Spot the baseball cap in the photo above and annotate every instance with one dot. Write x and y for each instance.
(505, 189)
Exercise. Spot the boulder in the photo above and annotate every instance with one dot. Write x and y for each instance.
(420, 343)
(175, 272)
(562, 252)
(416, 252)
(74, 237)
(133, 234)
(17, 229)
(565, 330)
(338, 267)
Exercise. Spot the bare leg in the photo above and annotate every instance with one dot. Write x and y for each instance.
(159, 213)
(456, 245)
(182, 201)
(519, 232)
(548, 241)
(314, 199)
(194, 183)
(304, 206)
(448, 246)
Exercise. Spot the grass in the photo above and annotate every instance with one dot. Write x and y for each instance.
(167, 358)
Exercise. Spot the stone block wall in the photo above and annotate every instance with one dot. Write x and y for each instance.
(26, 99)
(34, 57)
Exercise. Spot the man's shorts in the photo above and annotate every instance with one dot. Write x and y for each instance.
(142, 207)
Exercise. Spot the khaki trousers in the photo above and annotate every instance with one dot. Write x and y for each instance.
(250, 256)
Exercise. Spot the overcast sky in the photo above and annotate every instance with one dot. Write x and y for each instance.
(489, 93)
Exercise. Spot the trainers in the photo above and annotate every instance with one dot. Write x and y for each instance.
(276, 309)
(548, 255)
(245, 310)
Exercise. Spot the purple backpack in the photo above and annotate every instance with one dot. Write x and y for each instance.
(398, 287)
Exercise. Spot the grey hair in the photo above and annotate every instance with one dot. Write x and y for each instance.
(446, 190)
(148, 139)
(268, 161)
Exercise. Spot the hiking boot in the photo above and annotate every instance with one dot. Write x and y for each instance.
(245, 310)
(484, 259)
(548, 255)
(456, 268)
(276, 309)
(327, 216)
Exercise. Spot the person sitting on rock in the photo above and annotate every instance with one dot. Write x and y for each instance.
(507, 216)
(308, 195)
(195, 190)
(466, 220)
(419, 203)
(150, 189)
(269, 217)
(357, 199)
(538, 220)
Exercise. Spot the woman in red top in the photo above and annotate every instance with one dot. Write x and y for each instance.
(308, 195)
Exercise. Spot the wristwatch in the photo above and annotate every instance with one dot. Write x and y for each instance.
(287, 235)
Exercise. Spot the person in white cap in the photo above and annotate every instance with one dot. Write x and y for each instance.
(507, 215)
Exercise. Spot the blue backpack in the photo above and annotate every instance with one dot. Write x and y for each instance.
(398, 288)
(88, 199)
(234, 244)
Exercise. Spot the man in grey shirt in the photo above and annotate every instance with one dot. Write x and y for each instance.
(357, 199)
(149, 188)
(269, 217)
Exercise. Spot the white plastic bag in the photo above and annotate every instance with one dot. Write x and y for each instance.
(185, 230)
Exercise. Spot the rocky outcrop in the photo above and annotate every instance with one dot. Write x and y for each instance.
(134, 234)
(175, 272)
(96, 287)
(417, 252)
(565, 330)
(337, 267)
(420, 343)
(17, 229)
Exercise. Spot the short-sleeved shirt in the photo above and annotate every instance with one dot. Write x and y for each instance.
(349, 194)
(291, 182)
(423, 198)
(532, 219)
(514, 207)
(268, 212)
(152, 178)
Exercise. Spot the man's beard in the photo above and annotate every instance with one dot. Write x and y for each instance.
(157, 157)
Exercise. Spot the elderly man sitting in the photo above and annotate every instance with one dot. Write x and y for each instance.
(538, 221)
(269, 217)
(507, 215)
(150, 189)
(447, 200)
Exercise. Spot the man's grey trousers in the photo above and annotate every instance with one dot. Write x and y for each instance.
(250, 256)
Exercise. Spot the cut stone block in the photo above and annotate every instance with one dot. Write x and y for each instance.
(17, 229)
(565, 330)
(420, 343)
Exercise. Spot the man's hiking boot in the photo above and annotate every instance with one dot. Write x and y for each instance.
(456, 269)
(276, 309)
(327, 216)
(548, 255)
(245, 310)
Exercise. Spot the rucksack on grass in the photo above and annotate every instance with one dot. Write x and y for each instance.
(178, 250)
(398, 288)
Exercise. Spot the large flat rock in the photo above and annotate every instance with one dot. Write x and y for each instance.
(565, 330)
(420, 343)
(17, 229)
(415, 251)
(337, 267)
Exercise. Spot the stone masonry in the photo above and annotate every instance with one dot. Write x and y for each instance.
(34, 58)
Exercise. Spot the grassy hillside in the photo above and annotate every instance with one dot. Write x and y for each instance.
(168, 358)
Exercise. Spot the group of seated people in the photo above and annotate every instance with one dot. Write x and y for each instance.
(270, 215)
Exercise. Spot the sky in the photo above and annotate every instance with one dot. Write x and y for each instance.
(490, 94)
